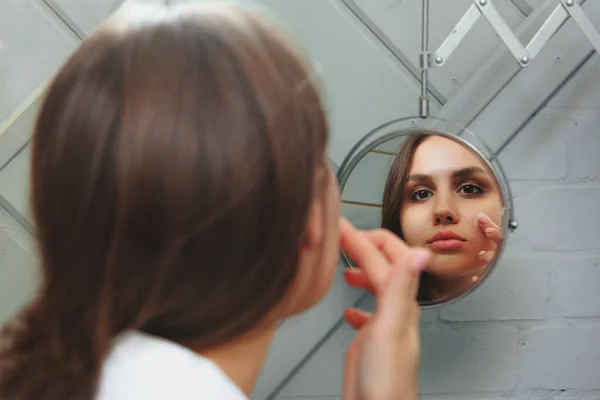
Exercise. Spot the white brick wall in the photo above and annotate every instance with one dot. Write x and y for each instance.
(533, 330)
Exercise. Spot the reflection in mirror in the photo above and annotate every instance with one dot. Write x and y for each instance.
(441, 195)
(436, 191)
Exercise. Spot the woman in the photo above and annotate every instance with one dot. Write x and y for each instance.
(184, 206)
(441, 195)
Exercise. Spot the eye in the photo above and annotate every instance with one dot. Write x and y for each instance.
(471, 188)
(420, 195)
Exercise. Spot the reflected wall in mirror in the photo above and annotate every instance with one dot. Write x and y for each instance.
(433, 190)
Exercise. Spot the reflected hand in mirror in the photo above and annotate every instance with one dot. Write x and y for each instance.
(488, 228)
(442, 195)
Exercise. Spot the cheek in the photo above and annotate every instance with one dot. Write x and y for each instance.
(469, 214)
(495, 214)
(412, 220)
(491, 208)
(332, 239)
(312, 284)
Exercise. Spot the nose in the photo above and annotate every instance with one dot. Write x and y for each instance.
(444, 212)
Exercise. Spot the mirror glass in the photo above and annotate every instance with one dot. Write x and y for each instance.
(434, 189)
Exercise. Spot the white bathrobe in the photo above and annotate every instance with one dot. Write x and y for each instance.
(144, 367)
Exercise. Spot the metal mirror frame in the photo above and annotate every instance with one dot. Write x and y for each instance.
(362, 148)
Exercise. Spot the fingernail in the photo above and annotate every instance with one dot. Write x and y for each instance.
(351, 318)
(489, 230)
(419, 260)
(482, 252)
(482, 218)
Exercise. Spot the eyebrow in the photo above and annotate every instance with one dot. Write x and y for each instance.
(461, 173)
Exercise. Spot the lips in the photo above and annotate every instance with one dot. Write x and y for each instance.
(446, 240)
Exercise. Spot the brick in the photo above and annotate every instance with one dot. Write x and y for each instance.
(430, 316)
(520, 242)
(575, 286)
(468, 360)
(518, 289)
(530, 395)
(561, 218)
(543, 395)
(576, 395)
(560, 358)
(584, 149)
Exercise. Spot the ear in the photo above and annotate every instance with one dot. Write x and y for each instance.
(314, 228)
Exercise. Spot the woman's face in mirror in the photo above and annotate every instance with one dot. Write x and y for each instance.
(447, 185)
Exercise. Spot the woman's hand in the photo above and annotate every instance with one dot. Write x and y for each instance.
(487, 227)
(382, 360)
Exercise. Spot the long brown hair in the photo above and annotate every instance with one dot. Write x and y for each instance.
(393, 193)
(173, 169)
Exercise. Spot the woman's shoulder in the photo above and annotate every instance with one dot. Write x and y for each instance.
(143, 366)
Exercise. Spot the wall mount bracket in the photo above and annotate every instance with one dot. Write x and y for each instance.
(523, 54)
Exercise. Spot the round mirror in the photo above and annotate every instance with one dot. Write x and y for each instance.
(435, 185)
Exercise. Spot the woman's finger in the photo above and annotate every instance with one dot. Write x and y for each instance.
(351, 370)
(397, 252)
(360, 249)
(356, 278)
(488, 227)
(356, 318)
(486, 256)
(494, 235)
(419, 258)
(392, 247)
(397, 308)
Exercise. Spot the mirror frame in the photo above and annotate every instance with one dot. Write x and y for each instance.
(358, 152)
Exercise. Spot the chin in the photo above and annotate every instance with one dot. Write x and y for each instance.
(451, 266)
